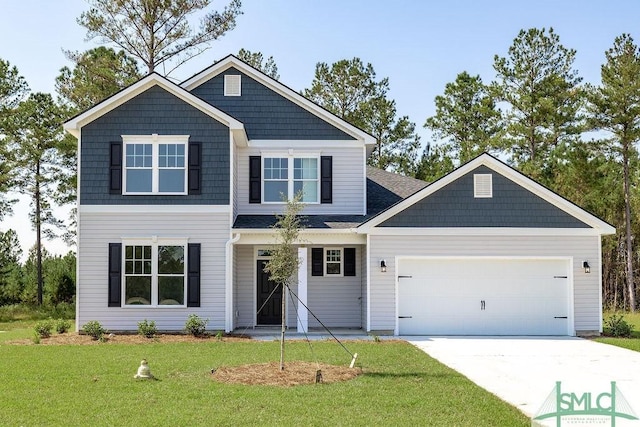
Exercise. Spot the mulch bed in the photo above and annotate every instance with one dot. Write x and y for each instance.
(82, 339)
(295, 373)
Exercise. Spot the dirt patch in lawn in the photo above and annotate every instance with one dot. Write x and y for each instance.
(82, 339)
(295, 373)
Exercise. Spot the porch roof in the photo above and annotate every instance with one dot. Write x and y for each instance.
(384, 189)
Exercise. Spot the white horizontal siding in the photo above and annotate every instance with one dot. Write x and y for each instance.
(348, 183)
(586, 291)
(244, 286)
(98, 230)
(336, 301)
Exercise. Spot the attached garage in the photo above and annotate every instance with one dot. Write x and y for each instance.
(485, 250)
(484, 296)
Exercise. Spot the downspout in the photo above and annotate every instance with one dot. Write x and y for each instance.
(228, 250)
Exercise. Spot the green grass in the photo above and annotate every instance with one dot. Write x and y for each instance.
(94, 385)
(632, 343)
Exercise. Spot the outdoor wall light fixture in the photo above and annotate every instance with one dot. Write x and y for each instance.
(383, 266)
(586, 266)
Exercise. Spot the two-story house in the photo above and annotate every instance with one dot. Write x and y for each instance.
(178, 190)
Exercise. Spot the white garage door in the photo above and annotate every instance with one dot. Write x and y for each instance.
(475, 296)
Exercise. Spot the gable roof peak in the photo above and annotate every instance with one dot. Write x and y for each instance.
(281, 89)
(74, 124)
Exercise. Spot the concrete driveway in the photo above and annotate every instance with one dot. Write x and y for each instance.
(524, 370)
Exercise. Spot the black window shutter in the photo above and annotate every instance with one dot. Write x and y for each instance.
(326, 179)
(195, 168)
(316, 261)
(193, 279)
(349, 261)
(115, 168)
(115, 274)
(255, 177)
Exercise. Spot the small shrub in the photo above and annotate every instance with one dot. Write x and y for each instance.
(618, 327)
(36, 338)
(62, 326)
(147, 328)
(195, 325)
(94, 329)
(219, 335)
(43, 328)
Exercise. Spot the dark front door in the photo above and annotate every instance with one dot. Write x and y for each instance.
(268, 299)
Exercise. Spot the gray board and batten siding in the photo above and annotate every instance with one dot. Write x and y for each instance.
(154, 111)
(510, 206)
(265, 113)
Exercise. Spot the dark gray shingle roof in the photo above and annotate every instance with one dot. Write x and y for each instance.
(384, 189)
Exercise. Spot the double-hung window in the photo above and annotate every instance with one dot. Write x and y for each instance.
(287, 175)
(155, 164)
(333, 261)
(154, 273)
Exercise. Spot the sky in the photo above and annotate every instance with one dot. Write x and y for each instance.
(420, 45)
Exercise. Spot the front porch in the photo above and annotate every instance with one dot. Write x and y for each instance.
(331, 283)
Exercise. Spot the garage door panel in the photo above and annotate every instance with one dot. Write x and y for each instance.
(483, 296)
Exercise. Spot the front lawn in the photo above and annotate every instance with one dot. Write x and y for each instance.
(632, 343)
(93, 385)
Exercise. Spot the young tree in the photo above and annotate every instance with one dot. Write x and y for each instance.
(614, 107)
(13, 88)
(36, 139)
(540, 87)
(348, 88)
(283, 264)
(158, 31)
(466, 118)
(255, 59)
(97, 74)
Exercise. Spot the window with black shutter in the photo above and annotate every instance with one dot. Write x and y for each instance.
(326, 179)
(255, 176)
(115, 274)
(115, 168)
(195, 168)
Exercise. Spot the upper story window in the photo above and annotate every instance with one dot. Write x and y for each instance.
(285, 176)
(155, 164)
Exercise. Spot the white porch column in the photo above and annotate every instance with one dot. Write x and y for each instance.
(303, 317)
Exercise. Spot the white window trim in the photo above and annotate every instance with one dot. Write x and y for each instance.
(154, 242)
(228, 83)
(477, 180)
(291, 156)
(325, 262)
(155, 140)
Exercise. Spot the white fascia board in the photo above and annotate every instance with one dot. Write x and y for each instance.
(302, 144)
(486, 160)
(482, 231)
(269, 237)
(74, 124)
(279, 88)
(150, 209)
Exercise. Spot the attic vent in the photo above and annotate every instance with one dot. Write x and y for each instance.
(482, 185)
(232, 85)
